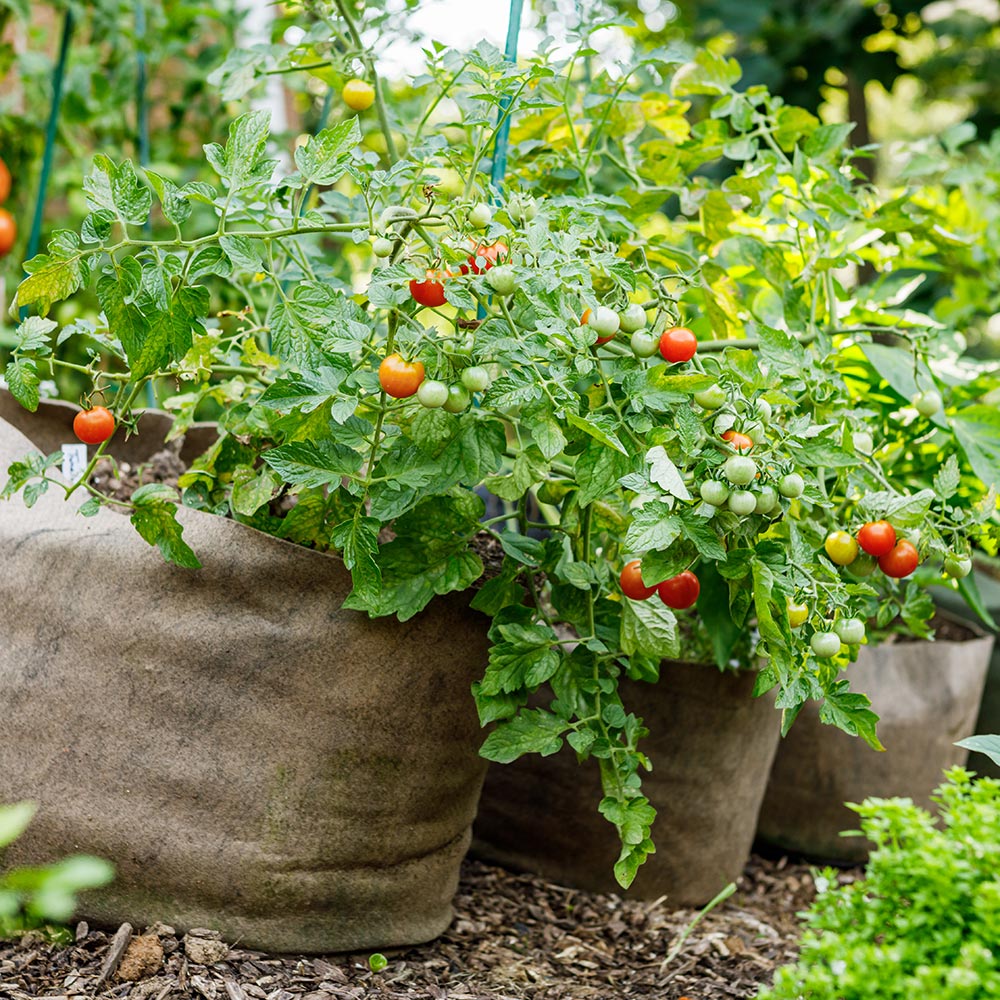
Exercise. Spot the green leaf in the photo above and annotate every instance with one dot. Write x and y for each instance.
(252, 488)
(155, 518)
(174, 204)
(530, 731)
(599, 428)
(324, 158)
(23, 382)
(977, 429)
(358, 541)
(246, 254)
(242, 161)
(850, 712)
(653, 527)
(713, 609)
(33, 334)
(708, 73)
(304, 392)
(598, 469)
(649, 628)
(132, 199)
(305, 463)
(52, 276)
(664, 474)
(989, 745)
(947, 478)
(14, 821)
(827, 139)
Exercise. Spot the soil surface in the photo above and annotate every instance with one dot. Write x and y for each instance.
(514, 937)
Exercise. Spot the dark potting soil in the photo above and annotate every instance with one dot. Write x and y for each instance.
(514, 937)
(945, 630)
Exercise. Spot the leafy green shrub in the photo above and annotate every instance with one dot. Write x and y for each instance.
(33, 897)
(925, 921)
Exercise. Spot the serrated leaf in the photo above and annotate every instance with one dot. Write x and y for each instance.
(530, 731)
(649, 628)
(324, 158)
(155, 518)
(310, 464)
(23, 382)
(664, 473)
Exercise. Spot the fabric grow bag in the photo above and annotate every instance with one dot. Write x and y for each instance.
(250, 757)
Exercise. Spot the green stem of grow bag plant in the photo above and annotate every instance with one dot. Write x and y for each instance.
(34, 239)
(142, 128)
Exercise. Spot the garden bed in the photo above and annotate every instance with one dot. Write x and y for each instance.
(514, 936)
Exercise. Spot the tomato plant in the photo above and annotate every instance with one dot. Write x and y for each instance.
(769, 414)
(94, 426)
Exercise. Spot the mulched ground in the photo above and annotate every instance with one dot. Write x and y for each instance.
(515, 937)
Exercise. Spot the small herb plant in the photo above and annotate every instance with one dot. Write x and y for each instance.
(925, 919)
(677, 371)
(35, 897)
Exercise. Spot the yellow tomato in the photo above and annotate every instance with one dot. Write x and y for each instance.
(358, 95)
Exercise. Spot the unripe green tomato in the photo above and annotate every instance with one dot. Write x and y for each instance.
(480, 215)
(633, 318)
(644, 345)
(825, 644)
(863, 566)
(742, 502)
(432, 394)
(958, 567)
(476, 379)
(764, 411)
(863, 442)
(850, 630)
(502, 279)
(604, 321)
(553, 492)
(791, 486)
(458, 399)
(521, 209)
(382, 247)
(767, 500)
(714, 492)
(740, 470)
(711, 399)
(927, 403)
(755, 432)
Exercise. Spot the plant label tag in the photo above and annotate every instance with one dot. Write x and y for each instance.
(74, 461)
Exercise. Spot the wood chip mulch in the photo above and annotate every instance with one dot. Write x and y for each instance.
(514, 937)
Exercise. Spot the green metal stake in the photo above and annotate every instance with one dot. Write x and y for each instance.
(503, 133)
(34, 239)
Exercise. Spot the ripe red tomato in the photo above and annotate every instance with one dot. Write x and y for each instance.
(631, 582)
(738, 441)
(430, 292)
(5, 182)
(400, 379)
(94, 426)
(680, 591)
(8, 232)
(490, 254)
(678, 344)
(901, 561)
(877, 538)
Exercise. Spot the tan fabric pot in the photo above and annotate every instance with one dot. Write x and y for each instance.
(711, 745)
(250, 757)
(927, 696)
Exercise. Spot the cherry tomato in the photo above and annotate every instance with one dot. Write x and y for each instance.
(927, 403)
(863, 442)
(358, 95)
(901, 561)
(382, 247)
(458, 399)
(631, 582)
(791, 486)
(521, 209)
(678, 344)
(502, 279)
(767, 500)
(643, 344)
(863, 566)
(711, 398)
(476, 379)
(480, 215)
(740, 470)
(738, 441)
(797, 614)
(958, 567)
(877, 537)
(5, 182)
(8, 232)
(714, 492)
(764, 411)
(850, 630)
(633, 318)
(841, 548)
(488, 255)
(742, 502)
(400, 379)
(429, 292)
(604, 321)
(432, 394)
(680, 591)
(94, 426)
(825, 644)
